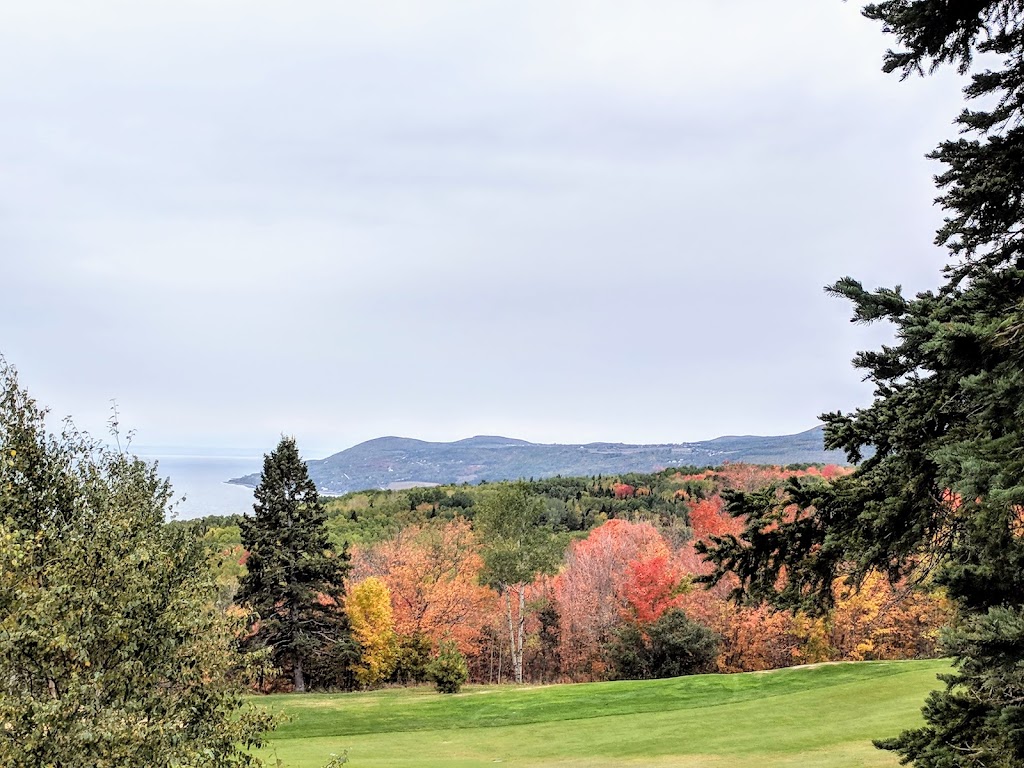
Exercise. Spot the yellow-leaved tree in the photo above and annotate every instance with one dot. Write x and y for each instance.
(373, 626)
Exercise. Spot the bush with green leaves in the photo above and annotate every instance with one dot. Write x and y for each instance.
(448, 670)
(672, 646)
(112, 652)
(412, 657)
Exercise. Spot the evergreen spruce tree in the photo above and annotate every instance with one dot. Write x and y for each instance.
(294, 578)
(941, 498)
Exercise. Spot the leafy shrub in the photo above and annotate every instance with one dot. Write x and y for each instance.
(673, 645)
(111, 650)
(448, 670)
(412, 657)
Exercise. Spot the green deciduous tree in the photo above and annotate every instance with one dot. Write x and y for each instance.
(412, 655)
(294, 579)
(516, 547)
(112, 652)
(673, 645)
(942, 496)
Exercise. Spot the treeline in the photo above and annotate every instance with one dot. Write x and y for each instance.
(572, 505)
(614, 588)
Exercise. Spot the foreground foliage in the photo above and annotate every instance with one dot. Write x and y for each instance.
(941, 498)
(112, 652)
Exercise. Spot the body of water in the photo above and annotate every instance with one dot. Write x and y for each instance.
(199, 483)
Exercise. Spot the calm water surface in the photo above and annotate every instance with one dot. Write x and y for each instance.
(199, 483)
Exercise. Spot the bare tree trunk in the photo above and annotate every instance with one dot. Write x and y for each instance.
(297, 678)
(522, 627)
(516, 629)
(491, 664)
(513, 655)
(501, 658)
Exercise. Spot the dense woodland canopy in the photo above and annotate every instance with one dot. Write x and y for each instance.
(622, 589)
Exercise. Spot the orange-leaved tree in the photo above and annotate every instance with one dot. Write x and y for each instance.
(592, 595)
(432, 573)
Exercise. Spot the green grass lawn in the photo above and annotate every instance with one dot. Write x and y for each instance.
(811, 716)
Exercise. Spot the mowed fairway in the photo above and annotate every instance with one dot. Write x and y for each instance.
(810, 716)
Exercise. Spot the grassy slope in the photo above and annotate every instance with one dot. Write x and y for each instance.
(820, 716)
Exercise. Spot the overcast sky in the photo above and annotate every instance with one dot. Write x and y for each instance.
(559, 221)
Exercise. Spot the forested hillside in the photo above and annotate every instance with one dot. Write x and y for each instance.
(397, 462)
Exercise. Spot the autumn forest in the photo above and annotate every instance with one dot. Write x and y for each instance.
(621, 572)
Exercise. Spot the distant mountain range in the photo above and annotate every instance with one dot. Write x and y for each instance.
(401, 462)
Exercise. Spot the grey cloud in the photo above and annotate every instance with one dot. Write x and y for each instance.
(580, 221)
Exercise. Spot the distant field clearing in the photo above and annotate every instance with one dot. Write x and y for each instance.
(810, 716)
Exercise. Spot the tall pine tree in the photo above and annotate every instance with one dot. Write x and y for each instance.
(294, 579)
(941, 498)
